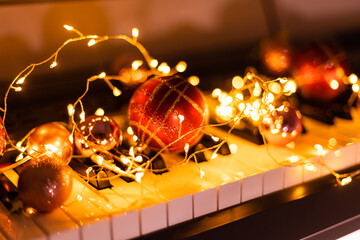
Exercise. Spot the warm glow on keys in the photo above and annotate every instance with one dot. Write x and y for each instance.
(294, 159)
(233, 148)
(310, 167)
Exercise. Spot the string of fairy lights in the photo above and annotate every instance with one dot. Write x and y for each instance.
(252, 97)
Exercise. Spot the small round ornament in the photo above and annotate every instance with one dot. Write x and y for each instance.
(2, 136)
(282, 125)
(320, 70)
(276, 56)
(97, 133)
(167, 113)
(44, 184)
(53, 137)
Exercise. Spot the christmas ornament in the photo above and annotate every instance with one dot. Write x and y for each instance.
(168, 110)
(276, 56)
(52, 137)
(320, 70)
(282, 125)
(97, 133)
(44, 184)
(2, 136)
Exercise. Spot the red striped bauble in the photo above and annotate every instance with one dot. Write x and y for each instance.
(166, 113)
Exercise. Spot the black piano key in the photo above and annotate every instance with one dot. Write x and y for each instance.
(158, 165)
(98, 178)
(199, 155)
(8, 193)
(209, 142)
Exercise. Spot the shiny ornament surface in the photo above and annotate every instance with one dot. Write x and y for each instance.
(52, 137)
(168, 110)
(282, 126)
(44, 185)
(97, 133)
(2, 136)
(320, 70)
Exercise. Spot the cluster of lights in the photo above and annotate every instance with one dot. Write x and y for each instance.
(251, 97)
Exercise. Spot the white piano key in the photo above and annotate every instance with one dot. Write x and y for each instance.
(332, 159)
(126, 225)
(153, 218)
(142, 197)
(17, 226)
(180, 209)
(82, 207)
(251, 187)
(205, 202)
(273, 180)
(293, 175)
(348, 156)
(57, 225)
(229, 194)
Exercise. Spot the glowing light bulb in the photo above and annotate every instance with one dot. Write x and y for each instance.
(154, 63)
(237, 82)
(69, 28)
(355, 87)
(135, 32)
(181, 118)
(275, 87)
(54, 64)
(70, 109)
(216, 92)
(102, 75)
(99, 112)
(181, 66)
(353, 78)
(92, 42)
(186, 147)
(136, 64)
(116, 92)
(82, 116)
(130, 131)
(345, 181)
(334, 84)
(194, 80)
(20, 81)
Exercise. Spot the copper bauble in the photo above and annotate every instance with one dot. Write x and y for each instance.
(52, 137)
(44, 184)
(168, 109)
(97, 133)
(282, 125)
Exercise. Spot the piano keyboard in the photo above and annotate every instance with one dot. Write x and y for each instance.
(130, 210)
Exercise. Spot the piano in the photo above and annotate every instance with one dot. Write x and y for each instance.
(242, 195)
